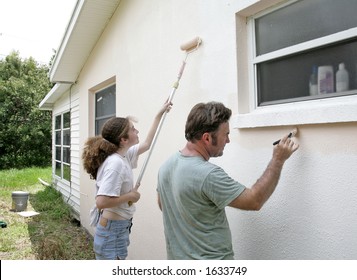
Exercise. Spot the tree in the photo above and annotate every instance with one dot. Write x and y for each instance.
(25, 130)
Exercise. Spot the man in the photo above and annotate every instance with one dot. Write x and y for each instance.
(193, 193)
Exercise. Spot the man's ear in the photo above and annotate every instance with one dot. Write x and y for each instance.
(206, 137)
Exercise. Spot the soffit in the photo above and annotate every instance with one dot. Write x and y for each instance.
(84, 29)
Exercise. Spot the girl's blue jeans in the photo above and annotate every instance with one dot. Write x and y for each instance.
(111, 239)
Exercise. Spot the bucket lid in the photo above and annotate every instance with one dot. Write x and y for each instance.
(19, 193)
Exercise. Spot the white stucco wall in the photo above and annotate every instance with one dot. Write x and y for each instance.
(312, 214)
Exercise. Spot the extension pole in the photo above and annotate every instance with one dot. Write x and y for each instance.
(189, 47)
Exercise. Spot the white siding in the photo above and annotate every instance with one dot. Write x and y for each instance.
(70, 190)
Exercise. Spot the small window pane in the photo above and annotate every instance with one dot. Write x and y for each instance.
(66, 155)
(66, 172)
(105, 102)
(58, 122)
(66, 120)
(288, 77)
(58, 137)
(58, 154)
(66, 137)
(105, 107)
(58, 169)
(303, 21)
(99, 124)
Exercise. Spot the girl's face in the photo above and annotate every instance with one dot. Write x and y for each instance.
(133, 137)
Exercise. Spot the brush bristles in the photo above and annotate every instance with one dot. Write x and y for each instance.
(294, 132)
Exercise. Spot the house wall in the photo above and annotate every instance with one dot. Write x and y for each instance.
(311, 215)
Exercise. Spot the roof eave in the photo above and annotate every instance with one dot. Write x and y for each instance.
(52, 96)
(87, 23)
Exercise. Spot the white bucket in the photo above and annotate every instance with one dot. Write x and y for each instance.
(19, 200)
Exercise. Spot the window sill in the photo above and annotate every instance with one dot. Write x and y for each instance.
(330, 110)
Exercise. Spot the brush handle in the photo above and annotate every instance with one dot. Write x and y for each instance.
(171, 96)
(174, 88)
(188, 47)
(278, 141)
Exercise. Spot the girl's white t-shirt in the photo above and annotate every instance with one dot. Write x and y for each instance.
(115, 178)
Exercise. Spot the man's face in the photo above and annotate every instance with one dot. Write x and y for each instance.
(219, 140)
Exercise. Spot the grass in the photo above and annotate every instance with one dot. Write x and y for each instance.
(51, 235)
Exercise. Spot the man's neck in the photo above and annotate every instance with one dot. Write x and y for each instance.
(194, 150)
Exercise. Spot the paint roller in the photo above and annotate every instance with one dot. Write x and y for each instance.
(291, 134)
(191, 45)
(188, 47)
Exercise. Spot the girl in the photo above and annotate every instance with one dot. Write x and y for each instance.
(109, 159)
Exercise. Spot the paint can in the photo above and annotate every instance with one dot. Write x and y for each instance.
(19, 201)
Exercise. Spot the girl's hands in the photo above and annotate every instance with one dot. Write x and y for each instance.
(133, 196)
(166, 107)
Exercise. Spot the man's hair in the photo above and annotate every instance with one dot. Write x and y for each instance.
(205, 117)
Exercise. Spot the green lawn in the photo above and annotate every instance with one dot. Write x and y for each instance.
(53, 234)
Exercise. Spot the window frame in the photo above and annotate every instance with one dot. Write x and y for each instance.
(305, 111)
(64, 165)
(104, 117)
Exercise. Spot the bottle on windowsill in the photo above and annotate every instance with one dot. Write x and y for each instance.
(313, 81)
(325, 79)
(342, 78)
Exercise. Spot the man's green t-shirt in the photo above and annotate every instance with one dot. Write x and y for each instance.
(193, 194)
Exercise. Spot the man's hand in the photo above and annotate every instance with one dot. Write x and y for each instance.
(284, 149)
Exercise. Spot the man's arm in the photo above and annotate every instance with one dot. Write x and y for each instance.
(254, 198)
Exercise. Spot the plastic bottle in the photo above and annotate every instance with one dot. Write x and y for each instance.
(342, 78)
(325, 79)
(313, 90)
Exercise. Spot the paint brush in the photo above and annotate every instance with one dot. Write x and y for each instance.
(291, 134)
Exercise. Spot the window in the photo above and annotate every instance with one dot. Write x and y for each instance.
(298, 49)
(279, 45)
(63, 146)
(104, 107)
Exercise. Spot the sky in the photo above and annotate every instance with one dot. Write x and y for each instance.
(33, 27)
